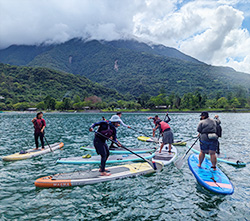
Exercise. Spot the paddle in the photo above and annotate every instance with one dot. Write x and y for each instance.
(44, 137)
(179, 162)
(152, 164)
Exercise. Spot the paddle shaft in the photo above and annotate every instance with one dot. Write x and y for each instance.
(44, 137)
(190, 148)
(125, 148)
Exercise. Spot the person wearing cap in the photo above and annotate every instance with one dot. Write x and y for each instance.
(208, 138)
(106, 130)
(119, 114)
(165, 130)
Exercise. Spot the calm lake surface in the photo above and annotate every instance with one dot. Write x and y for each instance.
(171, 194)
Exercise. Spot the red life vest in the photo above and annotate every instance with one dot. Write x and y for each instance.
(164, 126)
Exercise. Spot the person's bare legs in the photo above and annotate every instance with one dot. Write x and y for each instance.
(169, 147)
(201, 158)
(162, 144)
(213, 159)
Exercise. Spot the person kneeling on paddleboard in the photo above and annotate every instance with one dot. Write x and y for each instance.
(167, 134)
(39, 125)
(107, 129)
(208, 138)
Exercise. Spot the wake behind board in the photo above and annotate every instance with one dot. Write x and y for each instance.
(221, 157)
(122, 151)
(154, 139)
(213, 180)
(165, 157)
(81, 178)
(111, 159)
(32, 153)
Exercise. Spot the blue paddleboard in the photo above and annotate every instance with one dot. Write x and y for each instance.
(213, 180)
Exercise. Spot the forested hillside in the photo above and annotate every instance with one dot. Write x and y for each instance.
(134, 67)
(33, 85)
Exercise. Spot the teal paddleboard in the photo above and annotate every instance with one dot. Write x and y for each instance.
(97, 159)
(222, 157)
(122, 151)
(213, 180)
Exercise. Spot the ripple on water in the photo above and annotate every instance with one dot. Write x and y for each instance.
(168, 195)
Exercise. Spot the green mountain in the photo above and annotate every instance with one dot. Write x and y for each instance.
(130, 66)
(27, 84)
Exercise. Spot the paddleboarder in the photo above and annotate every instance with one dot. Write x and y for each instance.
(108, 130)
(155, 118)
(208, 138)
(218, 131)
(39, 126)
(165, 130)
(119, 114)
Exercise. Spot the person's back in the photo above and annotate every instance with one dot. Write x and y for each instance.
(205, 127)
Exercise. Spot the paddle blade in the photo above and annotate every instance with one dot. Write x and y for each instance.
(179, 163)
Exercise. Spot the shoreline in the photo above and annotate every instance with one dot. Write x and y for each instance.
(133, 111)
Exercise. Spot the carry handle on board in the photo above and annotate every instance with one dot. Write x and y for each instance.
(151, 163)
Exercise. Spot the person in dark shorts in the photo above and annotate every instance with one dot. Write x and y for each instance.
(218, 131)
(107, 129)
(39, 126)
(167, 134)
(208, 138)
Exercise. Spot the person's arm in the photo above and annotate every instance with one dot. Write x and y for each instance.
(33, 120)
(123, 124)
(94, 125)
(199, 128)
(167, 119)
(154, 129)
(115, 138)
(44, 125)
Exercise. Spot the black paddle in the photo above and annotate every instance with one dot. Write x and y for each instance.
(44, 137)
(152, 164)
(179, 162)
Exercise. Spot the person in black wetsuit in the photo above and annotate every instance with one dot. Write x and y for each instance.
(107, 129)
(39, 125)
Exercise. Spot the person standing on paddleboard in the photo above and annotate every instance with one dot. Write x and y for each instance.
(107, 129)
(218, 131)
(165, 130)
(39, 125)
(208, 138)
(155, 118)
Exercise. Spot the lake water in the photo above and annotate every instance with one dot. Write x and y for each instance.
(171, 194)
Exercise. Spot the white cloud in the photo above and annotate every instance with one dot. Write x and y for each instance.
(210, 31)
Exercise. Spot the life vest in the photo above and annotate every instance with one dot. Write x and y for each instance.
(164, 126)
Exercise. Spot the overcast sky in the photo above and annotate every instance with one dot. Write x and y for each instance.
(213, 31)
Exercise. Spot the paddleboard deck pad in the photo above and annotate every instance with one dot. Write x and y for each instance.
(221, 157)
(154, 139)
(81, 178)
(165, 157)
(123, 151)
(111, 159)
(213, 180)
(32, 153)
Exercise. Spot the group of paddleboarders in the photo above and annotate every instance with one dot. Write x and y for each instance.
(209, 131)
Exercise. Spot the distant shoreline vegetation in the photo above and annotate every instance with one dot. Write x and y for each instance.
(189, 102)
